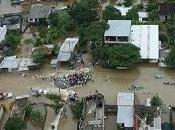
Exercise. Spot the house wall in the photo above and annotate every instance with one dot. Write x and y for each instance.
(3, 31)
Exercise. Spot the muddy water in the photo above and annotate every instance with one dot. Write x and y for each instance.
(108, 82)
(6, 7)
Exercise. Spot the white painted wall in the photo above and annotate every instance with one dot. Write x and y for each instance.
(3, 31)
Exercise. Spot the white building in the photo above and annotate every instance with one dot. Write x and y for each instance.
(142, 16)
(119, 31)
(125, 112)
(146, 37)
(3, 31)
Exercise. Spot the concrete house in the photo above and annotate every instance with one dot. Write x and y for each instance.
(3, 30)
(166, 10)
(146, 37)
(39, 12)
(118, 32)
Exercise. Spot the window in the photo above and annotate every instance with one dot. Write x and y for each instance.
(110, 38)
(122, 39)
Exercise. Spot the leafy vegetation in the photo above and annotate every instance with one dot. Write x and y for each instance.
(58, 104)
(36, 115)
(39, 55)
(156, 101)
(77, 110)
(84, 12)
(170, 59)
(15, 123)
(13, 38)
(60, 24)
(110, 13)
(122, 55)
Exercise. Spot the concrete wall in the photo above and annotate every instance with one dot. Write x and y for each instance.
(3, 31)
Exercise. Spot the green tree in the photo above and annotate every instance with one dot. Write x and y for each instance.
(153, 15)
(128, 3)
(77, 110)
(15, 123)
(122, 55)
(36, 115)
(170, 59)
(132, 14)
(61, 21)
(13, 38)
(156, 101)
(83, 14)
(110, 13)
(39, 55)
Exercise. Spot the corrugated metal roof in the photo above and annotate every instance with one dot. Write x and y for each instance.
(67, 48)
(9, 62)
(39, 11)
(146, 37)
(125, 98)
(118, 28)
(125, 115)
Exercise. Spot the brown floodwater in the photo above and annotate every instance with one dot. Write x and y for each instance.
(106, 81)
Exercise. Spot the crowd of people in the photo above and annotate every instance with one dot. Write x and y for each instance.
(76, 78)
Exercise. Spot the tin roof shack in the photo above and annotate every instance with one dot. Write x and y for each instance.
(125, 112)
(39, 13)
(12, 21)
(93, 113)
(166, 11)
(67, 50)
(19, 106)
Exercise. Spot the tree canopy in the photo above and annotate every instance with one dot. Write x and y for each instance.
(132, 14)
(111, 13)
(84, 12)
(15, 123)
(156, 101)
(39, 55)
(77, 110)
(13, 38)
(170, 59)
(122, 55)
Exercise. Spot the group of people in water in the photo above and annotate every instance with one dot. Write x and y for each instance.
(76, 78)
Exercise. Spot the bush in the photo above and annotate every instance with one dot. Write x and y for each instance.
(15, 123)
(39, 55)
(156, 101)
(77, 110)
(36, 115)
(13, 38)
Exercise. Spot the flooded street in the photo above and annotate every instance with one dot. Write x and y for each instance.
(6, 7)
(106, 81)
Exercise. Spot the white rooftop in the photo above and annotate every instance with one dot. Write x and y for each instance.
(125, 115)
(125, 98)
(9, 62)
(146, 37)
(118, 28)
(123, 10)
(67, 48)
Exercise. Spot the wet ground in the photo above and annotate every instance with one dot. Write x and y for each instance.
(106, 81)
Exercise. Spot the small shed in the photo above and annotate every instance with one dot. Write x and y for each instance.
(67, 49)
(38, 12)
(125, 112)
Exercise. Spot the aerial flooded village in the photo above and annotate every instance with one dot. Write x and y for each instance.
(87, 64)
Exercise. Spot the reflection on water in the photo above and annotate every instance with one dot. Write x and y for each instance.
(6, 7)
(106, 81)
